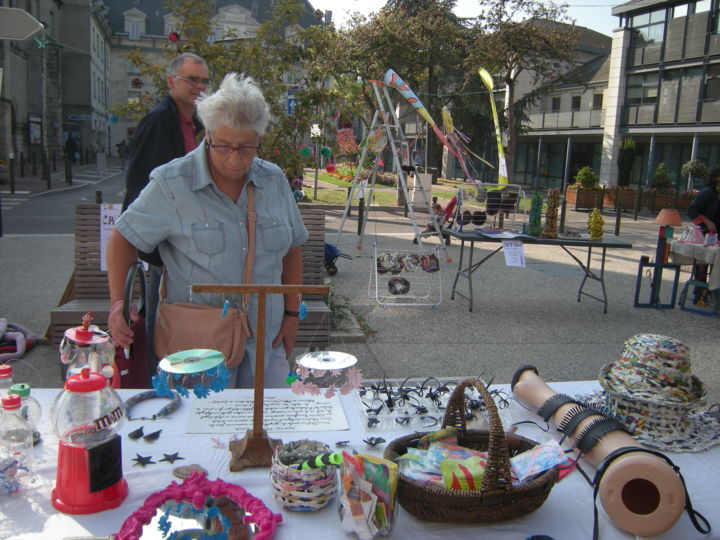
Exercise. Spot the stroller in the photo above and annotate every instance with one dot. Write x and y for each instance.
(443, 220)
(331, 255)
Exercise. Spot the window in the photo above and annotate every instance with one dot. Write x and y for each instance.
(701, 6)
(648, 28)
(556, 104)
(133, 30)
(597, 101)
(642, 89)
(680, 11)
(712, 82)
(575, 103)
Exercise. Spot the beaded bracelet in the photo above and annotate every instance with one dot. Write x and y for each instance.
(166, 411)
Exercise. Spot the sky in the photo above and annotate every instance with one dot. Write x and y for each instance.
(593, 14)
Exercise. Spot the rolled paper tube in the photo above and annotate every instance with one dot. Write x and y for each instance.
(641, 493)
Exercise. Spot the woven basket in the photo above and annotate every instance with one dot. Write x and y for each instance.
(497, 499)
(303, 490)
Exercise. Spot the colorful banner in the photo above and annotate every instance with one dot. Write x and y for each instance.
(502, 166)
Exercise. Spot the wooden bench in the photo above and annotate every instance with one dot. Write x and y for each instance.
(87, 289)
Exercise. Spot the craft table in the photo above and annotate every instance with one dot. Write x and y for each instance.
(567, 514)
(472, 237)
(689, 253)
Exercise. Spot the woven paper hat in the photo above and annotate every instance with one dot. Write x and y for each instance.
(653, 387)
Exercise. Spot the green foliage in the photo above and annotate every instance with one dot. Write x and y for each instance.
(626, 160)
(587, 178)
(694, 169)
(280, 51)
(660, 179)
(515, 38)
(535, 227)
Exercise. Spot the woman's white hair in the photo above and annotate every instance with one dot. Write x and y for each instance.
(238, 104)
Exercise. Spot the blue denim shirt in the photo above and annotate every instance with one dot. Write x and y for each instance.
(202, 234)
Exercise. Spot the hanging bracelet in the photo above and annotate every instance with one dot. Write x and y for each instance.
(167, 410)
(117, 303)
(289, 313)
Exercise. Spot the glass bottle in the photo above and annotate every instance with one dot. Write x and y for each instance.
(30, 409)
(5, 378)
(16, 447)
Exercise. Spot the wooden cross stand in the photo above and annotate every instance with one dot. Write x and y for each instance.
(256, 448)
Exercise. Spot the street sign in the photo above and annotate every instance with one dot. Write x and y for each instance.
(291, 104)
(79, 117)
(17, 24)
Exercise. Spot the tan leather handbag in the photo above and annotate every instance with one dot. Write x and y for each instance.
(181, 326)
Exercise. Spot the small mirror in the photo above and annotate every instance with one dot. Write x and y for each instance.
(181, 521)
(200, 509)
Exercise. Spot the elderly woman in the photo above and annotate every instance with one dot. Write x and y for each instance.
(195, 211)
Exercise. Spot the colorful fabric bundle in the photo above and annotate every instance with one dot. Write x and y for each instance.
(368, 495)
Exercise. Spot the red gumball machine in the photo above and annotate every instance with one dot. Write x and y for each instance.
(86, 417)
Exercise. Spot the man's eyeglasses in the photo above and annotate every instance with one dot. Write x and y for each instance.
(227, 150)
(193, 80)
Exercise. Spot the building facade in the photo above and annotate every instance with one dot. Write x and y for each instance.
(659, 85)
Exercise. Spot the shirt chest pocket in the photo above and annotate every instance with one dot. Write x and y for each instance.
(209, 237)
(274, 235)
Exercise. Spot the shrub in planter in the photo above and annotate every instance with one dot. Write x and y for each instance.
(661, 180)
(586, 178)
(693, 169)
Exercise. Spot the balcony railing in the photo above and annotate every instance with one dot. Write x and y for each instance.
(586, 119)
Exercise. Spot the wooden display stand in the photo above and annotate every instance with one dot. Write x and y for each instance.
(256, 448)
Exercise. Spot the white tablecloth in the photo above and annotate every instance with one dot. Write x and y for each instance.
(688, 253)
(566, 515)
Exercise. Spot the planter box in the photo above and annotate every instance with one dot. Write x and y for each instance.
(655, 201)
(584, 199)
(625, 198)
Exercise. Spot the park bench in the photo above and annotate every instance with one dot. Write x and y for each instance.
(87, 289)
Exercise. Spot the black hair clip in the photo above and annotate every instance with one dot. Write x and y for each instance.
(429, 421)
(374, 441)
(341, 444)
(135, 435)
(403, 420)
(372, 421)
(152, 437)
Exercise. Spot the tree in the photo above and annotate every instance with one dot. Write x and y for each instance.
(280, 52)
(661, 179)
(693, 169)
(516, 37)
(422, 40)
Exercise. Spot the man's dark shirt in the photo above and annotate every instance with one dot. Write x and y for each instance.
(158, 139)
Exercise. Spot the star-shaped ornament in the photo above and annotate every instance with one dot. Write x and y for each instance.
(143, 460)
(171, 458)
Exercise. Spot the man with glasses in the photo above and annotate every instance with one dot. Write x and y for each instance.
(195, 210)
(170, 130)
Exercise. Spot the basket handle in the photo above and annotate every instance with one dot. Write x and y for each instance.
(497, 472)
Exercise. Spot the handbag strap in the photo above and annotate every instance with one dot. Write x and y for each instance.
(249, 259)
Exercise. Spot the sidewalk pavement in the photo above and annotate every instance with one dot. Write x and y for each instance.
(34, 184)
(522, 315)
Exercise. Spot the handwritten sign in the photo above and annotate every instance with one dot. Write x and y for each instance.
(281, 414)
(108, 215)
(514, 252)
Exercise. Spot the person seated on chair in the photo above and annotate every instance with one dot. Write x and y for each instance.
(437, 217)
(704, 211)
(195, 211)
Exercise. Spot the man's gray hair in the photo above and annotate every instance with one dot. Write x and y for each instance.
(238, 104)
(178, 61)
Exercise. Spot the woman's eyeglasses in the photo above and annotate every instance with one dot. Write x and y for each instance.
(226, 150)
(195, 81)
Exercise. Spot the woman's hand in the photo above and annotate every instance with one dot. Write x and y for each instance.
(287, 334)
(121, 333)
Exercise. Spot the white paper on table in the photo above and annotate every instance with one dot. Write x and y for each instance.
(281, 414)
(109, 213)
(514, 251)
